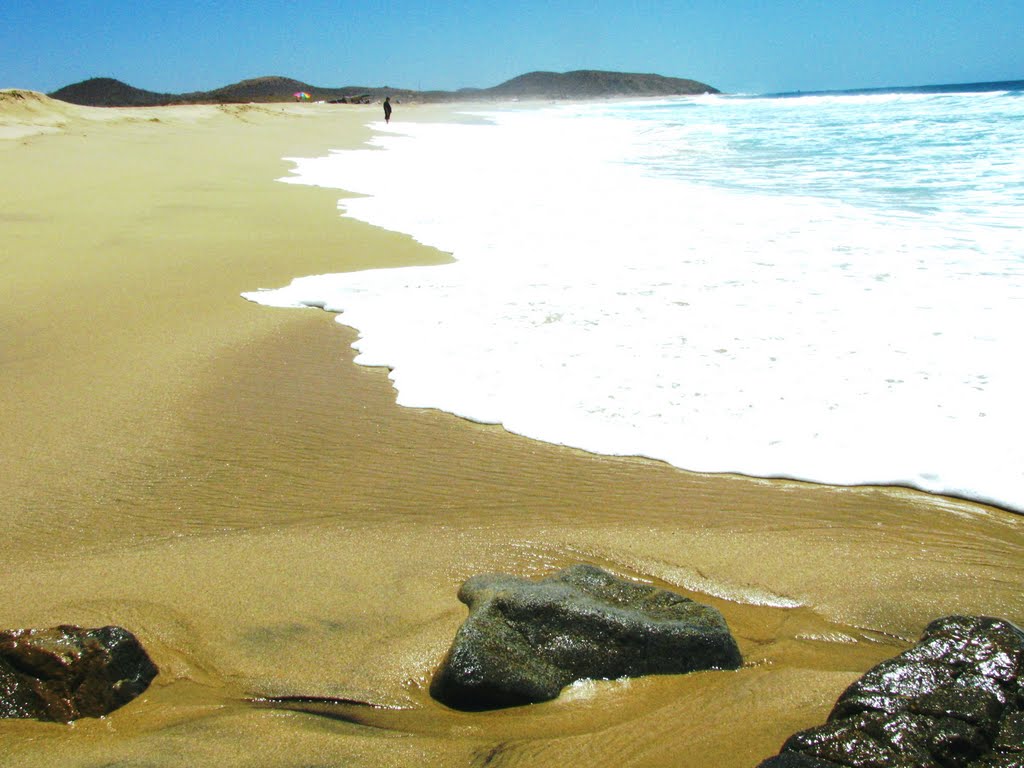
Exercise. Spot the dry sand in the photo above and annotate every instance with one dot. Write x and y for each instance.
(221, 479)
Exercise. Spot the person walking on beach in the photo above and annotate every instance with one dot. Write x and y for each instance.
(387, 109)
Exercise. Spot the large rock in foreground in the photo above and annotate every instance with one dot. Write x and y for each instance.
(955, 700)
(524, 641)
(67, 672)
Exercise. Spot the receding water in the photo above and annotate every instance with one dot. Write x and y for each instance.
(825, 287)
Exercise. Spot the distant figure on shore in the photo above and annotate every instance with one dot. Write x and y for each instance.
(387, 109)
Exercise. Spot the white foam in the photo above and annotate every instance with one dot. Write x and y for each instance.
(602, 302)
(588, 689)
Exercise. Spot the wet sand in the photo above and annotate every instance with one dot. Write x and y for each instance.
(222, 480)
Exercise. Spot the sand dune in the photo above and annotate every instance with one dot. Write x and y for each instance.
(25, 113)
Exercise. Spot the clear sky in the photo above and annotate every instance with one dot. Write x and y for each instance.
(751, 46)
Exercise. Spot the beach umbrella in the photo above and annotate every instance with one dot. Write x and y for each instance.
(300, 95)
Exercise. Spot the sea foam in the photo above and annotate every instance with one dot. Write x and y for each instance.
(821, 289)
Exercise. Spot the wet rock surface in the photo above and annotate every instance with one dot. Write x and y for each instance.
(524, 641)
(67, 672)
(954, 700)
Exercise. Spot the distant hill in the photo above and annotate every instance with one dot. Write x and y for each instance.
(274, 89)
(590, 83)
(107, 92)
(582, 84)
(259, 89)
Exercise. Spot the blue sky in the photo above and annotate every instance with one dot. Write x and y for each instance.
(751, 46)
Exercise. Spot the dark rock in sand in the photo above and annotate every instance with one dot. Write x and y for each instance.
(955, 700)
(67, 672)
(524, 641)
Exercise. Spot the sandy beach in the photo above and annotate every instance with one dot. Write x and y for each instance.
(221, 479)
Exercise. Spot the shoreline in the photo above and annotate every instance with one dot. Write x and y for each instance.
(221, 479)
(791, 425)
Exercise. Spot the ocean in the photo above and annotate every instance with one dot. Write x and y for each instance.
(824, 287)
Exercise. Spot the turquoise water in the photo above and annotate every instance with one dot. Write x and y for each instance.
(914, 152)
